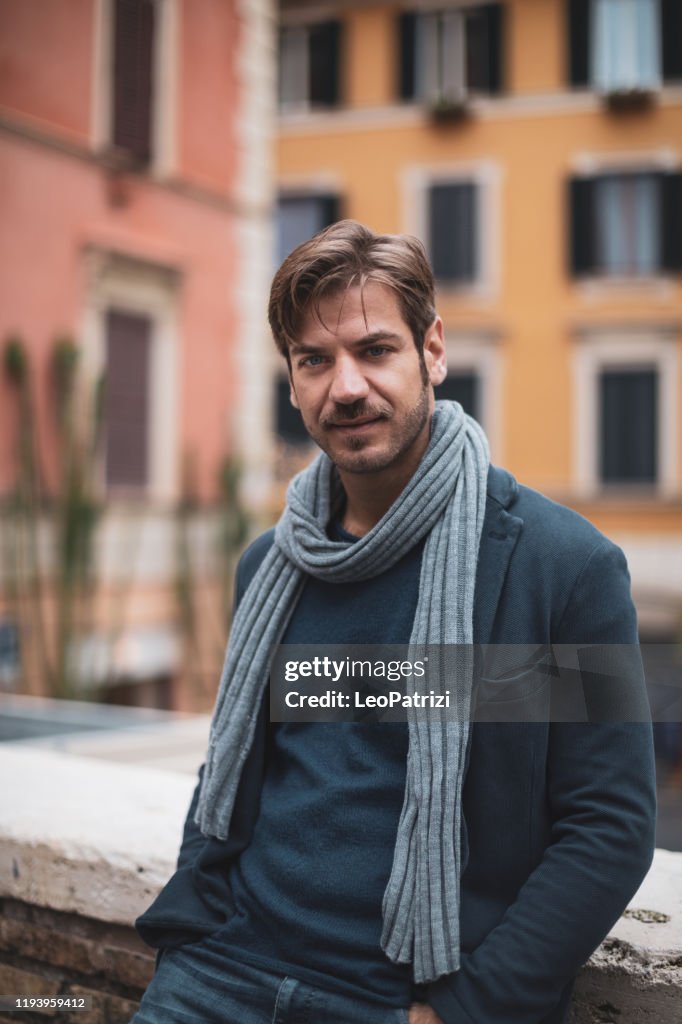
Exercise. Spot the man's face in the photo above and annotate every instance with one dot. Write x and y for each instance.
(363, 392)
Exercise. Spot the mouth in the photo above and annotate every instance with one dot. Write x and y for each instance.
(356, 426)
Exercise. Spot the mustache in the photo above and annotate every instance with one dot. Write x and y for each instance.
(360, 410)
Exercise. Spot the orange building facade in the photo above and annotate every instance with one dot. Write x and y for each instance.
(536, 148)
(136, 211)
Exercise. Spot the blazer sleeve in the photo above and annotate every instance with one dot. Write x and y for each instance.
(601, 790)
(197, 898)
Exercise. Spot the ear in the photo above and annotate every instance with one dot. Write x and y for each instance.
(292, 394)
(434, 352)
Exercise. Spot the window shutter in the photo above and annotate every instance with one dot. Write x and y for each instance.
(407, 26)
(324, 41)
(452, 231)
(132, 91)
(477, 49)
(293, 66)
(126, 406)
(579, 41)
(671, 227)
(671, 32)
(581, 214)
(629, 426)
(492, 17)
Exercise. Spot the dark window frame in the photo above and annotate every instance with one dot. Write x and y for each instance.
(582, 224)
(133, 58)
(484, 28)
(330, 208)
(444, 258)
(324, 85)
(628, 450)
(128, 446)
(579, 40)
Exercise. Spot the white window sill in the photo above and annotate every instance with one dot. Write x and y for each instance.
(479, 291)
(604, 286)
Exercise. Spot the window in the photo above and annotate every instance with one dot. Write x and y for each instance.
(474, 379)
(455, 208)
(299, 217)
(621, 46)
(626, 408)
(626, 224)
(628, 412)
(134, 83)
(453, 231)
(309, 61)
(131, 342)
(463, 387)
(133, 76)
(625, 53)
(126, 412)
(446, 54)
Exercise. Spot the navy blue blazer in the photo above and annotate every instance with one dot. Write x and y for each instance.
(559, 816)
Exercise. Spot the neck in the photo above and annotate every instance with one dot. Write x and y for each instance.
(370, 495)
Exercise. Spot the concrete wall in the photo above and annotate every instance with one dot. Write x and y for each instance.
(85, 845)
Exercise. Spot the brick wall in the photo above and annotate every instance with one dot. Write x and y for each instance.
(50, 953)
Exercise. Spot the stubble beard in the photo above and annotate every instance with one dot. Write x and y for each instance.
(347, 453)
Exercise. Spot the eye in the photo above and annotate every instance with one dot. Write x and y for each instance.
(311, 361)
(376, 350)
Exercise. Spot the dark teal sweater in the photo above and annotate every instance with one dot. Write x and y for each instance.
(307, 890)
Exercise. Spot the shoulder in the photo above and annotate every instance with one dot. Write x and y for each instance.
(547, 526)
(250, 561)
(562, 566)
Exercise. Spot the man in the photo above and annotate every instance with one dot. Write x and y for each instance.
(372, 872)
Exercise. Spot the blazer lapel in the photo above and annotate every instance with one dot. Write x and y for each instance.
(501, 531)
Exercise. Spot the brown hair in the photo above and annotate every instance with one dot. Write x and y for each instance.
(345, 254)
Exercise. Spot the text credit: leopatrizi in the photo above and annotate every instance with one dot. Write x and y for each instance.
(392, 671)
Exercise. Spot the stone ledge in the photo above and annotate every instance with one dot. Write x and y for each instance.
(87, 837)
(635, 977)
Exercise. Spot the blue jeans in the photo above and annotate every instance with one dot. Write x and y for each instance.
(185, 990)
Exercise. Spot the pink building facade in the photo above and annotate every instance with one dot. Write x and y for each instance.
(135, 170)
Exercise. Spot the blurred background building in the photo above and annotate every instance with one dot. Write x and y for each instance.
(535, 146)
(135, 143)
(160, 157)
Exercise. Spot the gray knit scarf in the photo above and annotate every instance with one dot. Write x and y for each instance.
(444, 502)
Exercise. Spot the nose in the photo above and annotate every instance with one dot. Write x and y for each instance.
(348, 383)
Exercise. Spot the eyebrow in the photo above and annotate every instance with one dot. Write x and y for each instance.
(367, 339)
